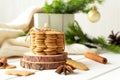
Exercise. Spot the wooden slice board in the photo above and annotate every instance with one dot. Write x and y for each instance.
(42, 62)
(44, 58)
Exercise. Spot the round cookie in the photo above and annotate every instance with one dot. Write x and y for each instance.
(32, 43)
(51, 35)
(52, 47)
(32, 39)
(39, 43)
(38, 49)
(60, 36)
(39, 34)
(32, 33)
(50, 44)
(40, 37)
(50, 40)
(32, 48)
(60, 40)
(50, 51)
(41, 47)
(60, 44)
(60, 49)
(40, 53)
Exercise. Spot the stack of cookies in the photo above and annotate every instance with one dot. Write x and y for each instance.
(47, 42)
(37, 41)
(46, 50)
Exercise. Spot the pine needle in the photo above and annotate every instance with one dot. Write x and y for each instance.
(76, 35)
(113, 48)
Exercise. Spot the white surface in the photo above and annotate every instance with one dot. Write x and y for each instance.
(98, 71)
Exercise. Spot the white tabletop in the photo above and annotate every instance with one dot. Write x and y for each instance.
(98, 71)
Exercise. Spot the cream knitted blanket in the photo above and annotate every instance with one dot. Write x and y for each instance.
(11, 44)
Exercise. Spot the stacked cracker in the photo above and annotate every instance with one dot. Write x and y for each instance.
(47, 42)
(46, 50)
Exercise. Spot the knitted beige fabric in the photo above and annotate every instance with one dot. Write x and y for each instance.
(10, 42)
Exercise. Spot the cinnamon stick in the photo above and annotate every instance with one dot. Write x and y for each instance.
(95, 57)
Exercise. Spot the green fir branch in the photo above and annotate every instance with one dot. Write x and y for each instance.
(76, 35)
(113, 48)
(69, 6)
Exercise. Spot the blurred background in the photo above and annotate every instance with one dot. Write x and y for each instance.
(110, 15)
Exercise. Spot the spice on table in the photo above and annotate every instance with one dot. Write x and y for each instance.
(78, 65)
(95, 57)
(65, 69)
(5, 65)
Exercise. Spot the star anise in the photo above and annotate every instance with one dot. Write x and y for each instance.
(65, 69)
(114, 38)
(4, 64)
